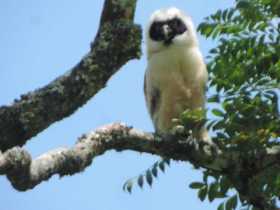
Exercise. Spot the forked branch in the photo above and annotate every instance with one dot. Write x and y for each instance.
(37, 110)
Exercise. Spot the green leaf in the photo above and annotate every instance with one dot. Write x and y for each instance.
(224, 184)
(224, 15)
(207, 30)
(243, 4)
(231, 203)
(128, 186)
(214, 99)
(230, 13)
(140, 181)
(214, 51)
(161, 166)
(167, 161)
(149, 177)
(196, 185)
(213, 191)
(202, 193)
(221, 206)
(155, 171)
(218, 113)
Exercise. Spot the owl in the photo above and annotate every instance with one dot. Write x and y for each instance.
(176, 73)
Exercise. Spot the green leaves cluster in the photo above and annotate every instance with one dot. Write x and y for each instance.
(193, 120)
(147, 176)
(245, 78)
(217, 188)
(245, 71)
(247, 121)
(248, 49)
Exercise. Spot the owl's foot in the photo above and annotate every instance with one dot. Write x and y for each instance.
(178, 130)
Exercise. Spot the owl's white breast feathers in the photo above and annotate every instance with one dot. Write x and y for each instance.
(180, 76)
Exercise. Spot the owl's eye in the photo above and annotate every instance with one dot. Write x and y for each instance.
(156, 31)
(157, 28)
(178, 26)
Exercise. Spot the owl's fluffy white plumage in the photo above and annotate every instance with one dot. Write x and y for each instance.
(176, 74)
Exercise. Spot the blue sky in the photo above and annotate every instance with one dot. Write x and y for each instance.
(41, 40)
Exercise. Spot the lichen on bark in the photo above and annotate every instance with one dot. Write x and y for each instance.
(118, 40)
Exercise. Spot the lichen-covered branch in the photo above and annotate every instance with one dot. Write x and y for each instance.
(118, 40)
(25, 173)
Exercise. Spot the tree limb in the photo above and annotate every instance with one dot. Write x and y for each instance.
(25, 173)
(37, 110)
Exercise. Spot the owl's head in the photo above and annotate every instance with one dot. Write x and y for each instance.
(169, 28)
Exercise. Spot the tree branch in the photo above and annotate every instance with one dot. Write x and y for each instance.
(118, 40)
(25, 173)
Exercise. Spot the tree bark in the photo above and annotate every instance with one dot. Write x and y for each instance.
(118, 40)
(25, 173)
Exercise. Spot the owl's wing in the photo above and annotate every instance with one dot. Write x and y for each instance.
(152, 96)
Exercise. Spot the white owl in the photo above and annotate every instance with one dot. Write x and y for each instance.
(176, 74)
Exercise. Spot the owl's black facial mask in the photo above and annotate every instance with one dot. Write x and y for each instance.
(166, 30)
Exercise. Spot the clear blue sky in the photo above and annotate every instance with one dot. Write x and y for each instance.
(39, 41)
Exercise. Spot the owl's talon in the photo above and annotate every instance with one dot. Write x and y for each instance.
(178, 130)
(192, 142)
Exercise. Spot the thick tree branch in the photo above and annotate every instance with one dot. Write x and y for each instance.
(25, 173)
(118, 40)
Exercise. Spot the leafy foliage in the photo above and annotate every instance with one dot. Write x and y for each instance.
(213, 186)
(244, 73)
(147, 176)
(193, 119)
(245, 78)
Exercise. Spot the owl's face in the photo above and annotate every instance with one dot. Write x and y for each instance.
(169, 28)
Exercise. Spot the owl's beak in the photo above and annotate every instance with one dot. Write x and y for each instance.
(166, 31)
(168, 34)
